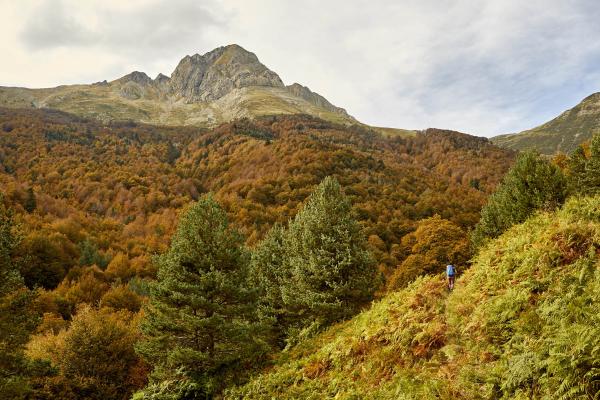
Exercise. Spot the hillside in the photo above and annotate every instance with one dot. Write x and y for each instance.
(224, 84)
(522, 323)
(562, 134)
(122, 185)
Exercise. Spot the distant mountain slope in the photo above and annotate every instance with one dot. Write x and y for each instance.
(204, 90)
(564, 133)
(522, 323)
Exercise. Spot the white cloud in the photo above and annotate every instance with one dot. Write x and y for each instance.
(483, 67)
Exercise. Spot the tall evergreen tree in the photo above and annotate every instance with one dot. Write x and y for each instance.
(270, 272)
(533, 183)
(576, 170)
(591, 180)
(30, 201)
(200, 322)
(16, 318)
(332, 274)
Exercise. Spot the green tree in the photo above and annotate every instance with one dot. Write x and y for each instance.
(91, 256)
(533, 183)
(200, 323)
(576, 170)
(30, 201)
(270, 272)
(591, 179)
(332, 274)
(16, 317)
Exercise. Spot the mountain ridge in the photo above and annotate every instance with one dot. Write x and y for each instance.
(561, 134)
(221, 85)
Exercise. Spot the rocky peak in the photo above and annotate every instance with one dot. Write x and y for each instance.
(161, 78)
(137, 77)
(212, 75)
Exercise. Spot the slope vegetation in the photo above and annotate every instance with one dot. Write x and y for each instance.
(563, 134)
(522, 323)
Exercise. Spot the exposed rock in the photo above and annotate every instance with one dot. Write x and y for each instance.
(314, 98)
(136, 76)
(210, 76)
(219, 86)
(161, 79)
(131, 90)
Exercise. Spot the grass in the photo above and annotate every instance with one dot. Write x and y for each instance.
(564, 133)
(500, 334)
(106, 103)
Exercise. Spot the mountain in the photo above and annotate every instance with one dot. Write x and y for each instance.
(204, 90)
(521, 323)
(562, 134)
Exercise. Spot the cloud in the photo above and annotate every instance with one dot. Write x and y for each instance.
(51, 26)
(484, 67)
(144, 30)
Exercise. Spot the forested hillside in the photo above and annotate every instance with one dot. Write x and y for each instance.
(522, 323)
(87, 206)
(119, 187)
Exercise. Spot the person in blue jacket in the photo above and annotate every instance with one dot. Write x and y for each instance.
(451, 274)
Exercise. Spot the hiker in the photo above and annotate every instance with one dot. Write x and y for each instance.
(450, 273)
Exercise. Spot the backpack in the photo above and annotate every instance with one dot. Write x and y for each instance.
(450, 270)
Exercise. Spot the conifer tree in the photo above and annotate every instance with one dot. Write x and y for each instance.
(533, 183)
(30, 201)
(591, 180)
(576, 170)
(332, 272)
(16, 318)
(200, 320)
(270, 272)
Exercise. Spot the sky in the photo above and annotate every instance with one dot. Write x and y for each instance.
(483, 67)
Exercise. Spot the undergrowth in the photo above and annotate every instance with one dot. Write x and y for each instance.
(522, 323)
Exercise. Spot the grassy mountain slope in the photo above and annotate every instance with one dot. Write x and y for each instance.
(563, 134)
(522, 323)
(106, 103)
(206, 90)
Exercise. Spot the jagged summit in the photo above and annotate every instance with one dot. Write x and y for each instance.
(161, 78)
(223, 84)
(212, 75)
(136, 76)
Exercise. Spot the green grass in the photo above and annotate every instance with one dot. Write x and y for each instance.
(562, 134)
(522, 323)
(105, 102)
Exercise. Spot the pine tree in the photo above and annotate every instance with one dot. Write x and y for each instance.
(200, 320)
(89, 255)
(332, 272)
(30, 201)
(270, 273)
(576, 170)
(591, 180)
(16, 318)
(533, 183)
